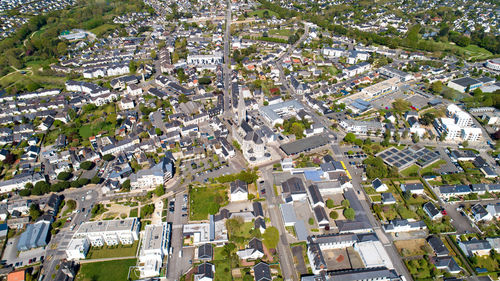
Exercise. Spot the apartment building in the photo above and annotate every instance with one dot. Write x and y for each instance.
(111, 233)
(155, 243)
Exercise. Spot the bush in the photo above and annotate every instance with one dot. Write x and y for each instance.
(349, 213)
(311, 221)
(329, 203)
(345, 203)
(334, 215)
(126, 185)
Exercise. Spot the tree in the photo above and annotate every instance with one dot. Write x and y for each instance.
(35, 211)
(437, 87)
(83, 181)
(334, 215)
(345, 203)
(126, 185)
(350, 137)
(95, 180)
(108, 157)
(297, 129)
(329, 203)
(465, 143)
(405, 134)
(401, 105)
(375, 167)
(25, 192)
(311, 221)
(415, 138)
(427, 118)
(159, 190)
(64, 176)
(87, 165)
(271, 237)
(158, 132)
(132, 66)
(349, 213)
(40, 188)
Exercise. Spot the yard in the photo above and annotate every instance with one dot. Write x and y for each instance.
(411, 171)
(429, 169)
(116, 270)
(113, 251)
(207, 200)
(415, 247)
(222, 265)
(260, 13)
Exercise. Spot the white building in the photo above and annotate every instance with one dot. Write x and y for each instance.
(77, 249)
(471, 134)
(111, 232)
(151, 178)
(215, 58)
(153, 249)
(239, 191)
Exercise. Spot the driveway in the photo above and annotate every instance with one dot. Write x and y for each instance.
(299, 257)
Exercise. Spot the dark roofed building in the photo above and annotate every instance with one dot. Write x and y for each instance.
(262, 272)
(257, 209)
(205, 252)
(438, 246)
(315, 196)
(293, 189)
(205, 272)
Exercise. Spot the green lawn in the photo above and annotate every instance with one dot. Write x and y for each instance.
(133, 213)
(100, 30)
(260, 13)
(281, 32)
(222, 266)
(376, 198)
(411, 171)
(113, 252)
(116, 270)
(207, 200)
(433, 166)
(86, 131)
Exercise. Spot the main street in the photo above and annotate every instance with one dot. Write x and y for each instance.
(226, 69)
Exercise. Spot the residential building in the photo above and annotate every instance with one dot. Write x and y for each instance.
(77, 249)
(111, 232)
(154, 248)
(239, 191)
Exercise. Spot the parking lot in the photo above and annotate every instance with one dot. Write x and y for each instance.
(24, 258)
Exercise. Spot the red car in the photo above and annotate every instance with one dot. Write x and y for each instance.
(444, 212)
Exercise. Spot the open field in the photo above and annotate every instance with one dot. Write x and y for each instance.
(415, 247)
(113, 252)
(116, 270)
(207, 200)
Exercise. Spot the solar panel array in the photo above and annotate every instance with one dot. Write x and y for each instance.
(402, 159)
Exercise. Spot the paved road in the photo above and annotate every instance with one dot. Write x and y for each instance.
(227, 62)
(85, 198)
(177, 266)
(284, 252)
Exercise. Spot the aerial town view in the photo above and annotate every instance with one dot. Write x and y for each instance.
(220, 140)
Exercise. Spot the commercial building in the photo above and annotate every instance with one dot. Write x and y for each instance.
(381, 88)
(77, 249)
(465, 84)
(36, 235)
(155, 245)
(277, 113)
(493, 64)
(111, 232)
(214, 232)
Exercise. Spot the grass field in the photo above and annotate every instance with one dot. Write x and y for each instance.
(411, 171)
(472, 52)
(100, 30)
(413, 247)
(260, 13)
(222, 266)
(207, 200)
(431, 168)
(89, 130)
(113, 252)
(133, 213)
(116, 270)
(281, 32)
